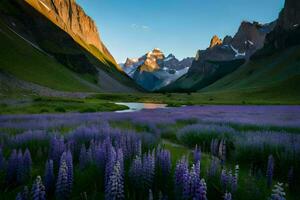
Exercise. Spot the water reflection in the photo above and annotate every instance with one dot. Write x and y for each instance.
(133, 107)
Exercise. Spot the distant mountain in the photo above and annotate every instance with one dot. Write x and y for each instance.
(153, 70)
(270, 73)
(208, 65)
(54, 45)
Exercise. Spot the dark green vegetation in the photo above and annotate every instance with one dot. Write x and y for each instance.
(35, 50)
(58, 105)
(193, 81)
(274, 78)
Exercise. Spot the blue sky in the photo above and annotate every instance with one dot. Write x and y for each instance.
(130, 28)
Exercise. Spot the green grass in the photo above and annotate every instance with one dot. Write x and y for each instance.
(273, 78)
(57, 105)
(22, 60)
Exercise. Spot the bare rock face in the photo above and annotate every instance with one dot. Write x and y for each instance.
(152, 60)
(70, 17)
(215, 41)
(287, 30)
(289, 18)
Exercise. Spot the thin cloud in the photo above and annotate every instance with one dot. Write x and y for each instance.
(140, 27)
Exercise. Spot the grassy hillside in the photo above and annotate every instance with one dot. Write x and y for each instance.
(193, 81)
(276, 77)
(36, 50)
(21, 59)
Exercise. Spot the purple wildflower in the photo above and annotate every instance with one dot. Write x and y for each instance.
(27, 162)
(148, 169)
(136, 173)
(224, 179)
(12, 167)
(270, 170)
(278, 192)
(180, 170)
(38, 190)
(24, 195)
(69, 162)
(62, 187)
(227, 196)
(49, 176)
(115, 188)
(20, 167)
(197, 154)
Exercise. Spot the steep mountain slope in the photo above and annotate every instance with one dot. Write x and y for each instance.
(222, 57)
(153, 70)
(70, 17)
(38, 51)
(273, 71)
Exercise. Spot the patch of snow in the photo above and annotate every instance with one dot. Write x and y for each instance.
(250, 42)
(44, 5)
(296, 25)
(13, 24)
(237, 53)
(168, 59)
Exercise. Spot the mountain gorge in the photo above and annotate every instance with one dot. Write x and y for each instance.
(54, 45)
(154, 70)
(222, 57)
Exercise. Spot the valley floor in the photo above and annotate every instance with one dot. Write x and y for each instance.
(262, 140)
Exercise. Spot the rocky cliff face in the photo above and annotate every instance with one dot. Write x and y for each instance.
(70, 17)
(153, 70)
(287, 30)
(249, 38)
(215, 41)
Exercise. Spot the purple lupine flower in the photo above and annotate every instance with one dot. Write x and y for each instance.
(115, 188)
(20, 167)
(49, 176)
(214, 164)
(278, 192)
(82, 157)
(227, 196)
(234, 183)
(120, 158)
(148, 169)
(180, 170)
(214, 147)
(69, 162)
(229, 178)
(27, 161)
(224, 179)
(194, 182)
(270, 170)
(12, 167)
(222, 151)
(150, 195)
(186, 185)
(62, 188)
(38, 190)
(110, 163)
(24, 195)
(136, 173)
(100, 157)
(164, 162)
(198, 168)
(197, 154)
(201, 190)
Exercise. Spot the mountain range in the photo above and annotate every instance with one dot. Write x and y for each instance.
(155, 70)
(53, 48)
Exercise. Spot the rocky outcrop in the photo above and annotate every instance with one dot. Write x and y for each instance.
(249, 38)
(153, 70)
(287, 30)
(70, 17)
(215, 41)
